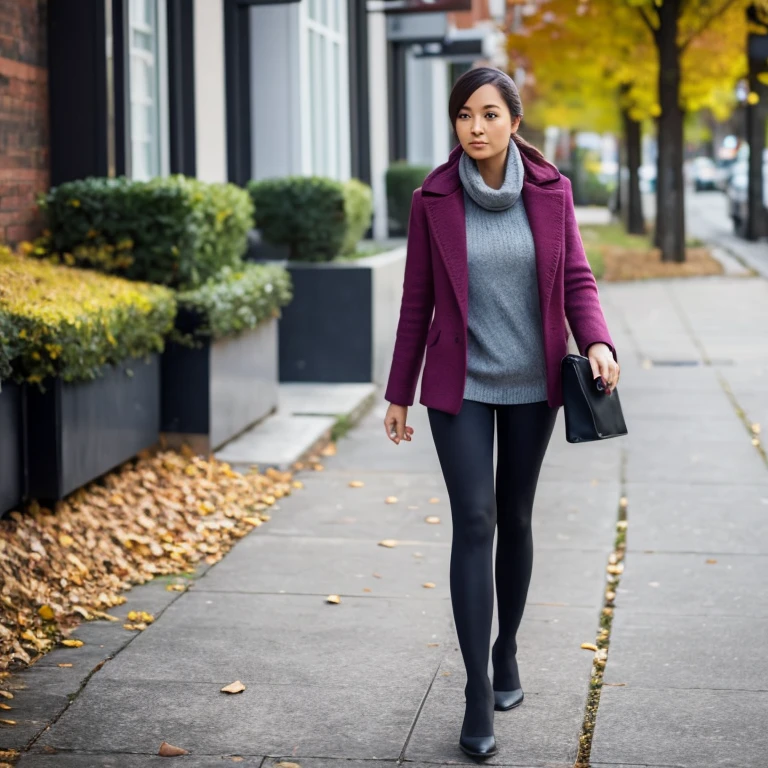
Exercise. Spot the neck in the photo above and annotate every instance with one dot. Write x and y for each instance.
(492, 169)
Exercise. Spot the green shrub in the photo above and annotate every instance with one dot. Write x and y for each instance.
(7, 342)
(306, 213)
(176, 231)
(69, 322)
(402, 180)
(233, 301)
(358, 209)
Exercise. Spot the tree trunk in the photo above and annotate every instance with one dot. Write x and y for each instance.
(670, 209)
(632, 202)
(756, 224)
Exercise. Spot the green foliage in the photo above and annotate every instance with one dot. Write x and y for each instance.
(7, 339)
(176, 231)
(402, 180)
(358, 209)
(306, 213)
(233, 301)
(69, 322)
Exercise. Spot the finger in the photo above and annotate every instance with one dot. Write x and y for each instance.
(391, 427)
(595, 367)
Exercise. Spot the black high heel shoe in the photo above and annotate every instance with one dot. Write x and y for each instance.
(504, 700)
(478, 746)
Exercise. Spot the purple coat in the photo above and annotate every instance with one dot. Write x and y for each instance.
(436, 277)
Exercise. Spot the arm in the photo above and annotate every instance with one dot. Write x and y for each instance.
(582, 302)
(415, 309)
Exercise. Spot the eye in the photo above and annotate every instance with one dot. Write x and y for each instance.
(491, 113)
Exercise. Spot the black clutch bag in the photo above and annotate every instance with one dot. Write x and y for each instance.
(590, 414)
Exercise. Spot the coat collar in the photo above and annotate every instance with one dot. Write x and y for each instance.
(445, 178)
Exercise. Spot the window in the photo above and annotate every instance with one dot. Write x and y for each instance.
(148, 97)
(328, 125)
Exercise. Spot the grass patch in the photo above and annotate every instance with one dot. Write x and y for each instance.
(617, 256)
(360, 253)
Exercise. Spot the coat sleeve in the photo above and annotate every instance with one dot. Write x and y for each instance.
(582, 301)
(416, 308)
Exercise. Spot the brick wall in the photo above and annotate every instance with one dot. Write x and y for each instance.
(23, 117)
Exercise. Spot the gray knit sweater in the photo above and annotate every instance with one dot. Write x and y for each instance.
(505, 347)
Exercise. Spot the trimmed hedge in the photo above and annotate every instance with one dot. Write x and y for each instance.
(7, 338)
(69, 322)
(306, 213)
(358, 209)
(233, 301)
(402, 180)
(175, 230)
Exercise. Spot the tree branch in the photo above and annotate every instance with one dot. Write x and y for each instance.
(706, 23)
(648, 22)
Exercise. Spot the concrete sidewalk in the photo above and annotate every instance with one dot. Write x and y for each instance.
(379, 676)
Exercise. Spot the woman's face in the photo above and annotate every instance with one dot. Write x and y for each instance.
(484, 124)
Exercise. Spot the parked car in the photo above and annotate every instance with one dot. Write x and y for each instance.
(704, 173)
(647, 173)
(736, 192)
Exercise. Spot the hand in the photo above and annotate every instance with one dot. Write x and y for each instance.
(603, 364)
(394, 423)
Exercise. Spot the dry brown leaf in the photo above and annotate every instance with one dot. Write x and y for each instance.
(434, 500)
(378, 575)
(71, 643)
(589, 646)
(168, 750)
(391, 500)
(433, 519)
(297, 484)
(176, 587)
(64, 665)
(623, 502)
(428, 585)
(388, 543)
(356, 483)
(711, 560)
(329, 450)
(7, 722)
(318, 467)
(367, 589)
(3, 705)
(254, 521)
(333, 599)
(236, 687)
(756, 428)
(433, 645)
(287, 764)
(6, 694)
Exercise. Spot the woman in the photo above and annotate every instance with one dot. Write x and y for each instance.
(494, 249)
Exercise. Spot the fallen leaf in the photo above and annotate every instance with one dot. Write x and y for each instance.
(417, 554)
(623, 503)
(378, 576)
(388, 543)
(356, 483)
(428, 585)
(66, 540)
(5, 706)
(72, 643)
(176, 587)
(236, 687)
(168, 750)
(254, 521)
(286, 764)
(434, 500)
(64, 665)
(333, 599)
(7, 722)
(432, 519)
(367, 589)
(329, 450)
(433, 645)
(391, 500)
(297, 484)
(711, 560)
(318, 467)
(6, 694)
(589, 646)
(756, 428)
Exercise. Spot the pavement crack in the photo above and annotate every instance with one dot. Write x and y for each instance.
(401, 757)
(614, 569)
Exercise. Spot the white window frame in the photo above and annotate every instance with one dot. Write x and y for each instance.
(160, 55)
(335, 160)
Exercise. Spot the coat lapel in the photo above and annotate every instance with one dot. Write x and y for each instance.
(444, 204)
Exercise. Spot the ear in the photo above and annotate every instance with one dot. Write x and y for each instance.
(516, 123)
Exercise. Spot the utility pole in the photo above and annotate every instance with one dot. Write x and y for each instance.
(757, 114)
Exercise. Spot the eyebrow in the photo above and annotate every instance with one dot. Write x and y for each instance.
(487, 106)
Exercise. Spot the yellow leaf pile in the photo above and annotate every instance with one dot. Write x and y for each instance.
(160, 514)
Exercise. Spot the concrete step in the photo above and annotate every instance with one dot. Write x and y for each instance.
(303, 422)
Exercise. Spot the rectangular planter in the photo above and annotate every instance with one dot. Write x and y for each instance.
(11, 464)
(78, 431)
(213, 393)
(340, 326)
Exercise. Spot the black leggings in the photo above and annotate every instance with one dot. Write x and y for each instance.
(464, 444)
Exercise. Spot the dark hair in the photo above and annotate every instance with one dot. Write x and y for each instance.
(473, 79)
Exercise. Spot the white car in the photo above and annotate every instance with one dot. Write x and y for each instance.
(736, 192)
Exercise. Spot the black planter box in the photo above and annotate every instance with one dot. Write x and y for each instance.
(11, 480)
(340, 326)
(213, 393)
(77, 432)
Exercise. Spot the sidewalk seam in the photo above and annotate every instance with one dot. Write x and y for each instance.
(401, 757)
